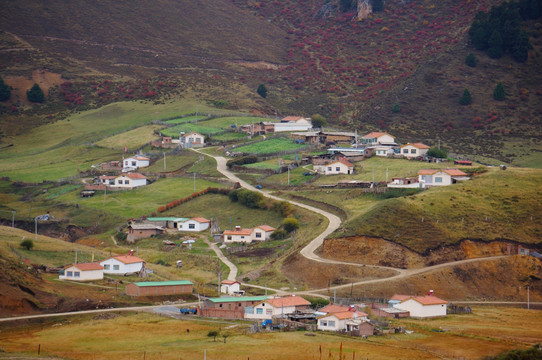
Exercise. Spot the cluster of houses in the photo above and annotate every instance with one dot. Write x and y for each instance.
(286, 124)
(116, 265)
(128, 179)
(185, 141)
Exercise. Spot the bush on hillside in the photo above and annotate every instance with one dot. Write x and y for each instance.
(470, 60)
(396, 108)
(290, 224)
(242, 161)
(499, 93)
(279, 234)
(318, 121)
(5, 90)
(262, 90)
(437, 153)
(35, 94)
(466, 98)
(27, 244)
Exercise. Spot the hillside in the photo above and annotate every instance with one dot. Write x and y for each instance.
(409, 57)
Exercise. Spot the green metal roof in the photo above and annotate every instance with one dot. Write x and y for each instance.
(166, 219)
(240, 298)
(163, 283)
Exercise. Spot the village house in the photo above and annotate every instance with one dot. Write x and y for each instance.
(337, 321)
(414, 150)
(123, 264)
(261, 128)
(129, 181)
(384, 151)
(293, 123)
(231, 287)
(334, 168)
(135, 162)
(276, 308)
(106, 180)
(405, 183)
(165, 222)
(82, 272)
(195, 224)
(142, 231)
(420, 306)
(438, 177)
(159, 288)
(166, 142)
(378, 138)
(192, 140)
(240, 235)
(228, 307)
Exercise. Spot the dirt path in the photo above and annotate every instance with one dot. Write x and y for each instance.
(233, 269)
(334, 223)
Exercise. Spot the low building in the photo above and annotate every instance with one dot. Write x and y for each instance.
(261, 128)
(293, 123)
(231, 287)
(195, 224)
(414, 150)
(228, 307)
(240, 235)
(421, 306)
(337, 321)
(192, 140)
(384, 151)
(82, 272)
(335, 168)
(378, 138)
(135, 162)
(160, 288)
(165, 222)
(405, 183)
(276, 307)
(438, 177)
(123, 264)
(262, 232)
(129, 181)
(142, 231)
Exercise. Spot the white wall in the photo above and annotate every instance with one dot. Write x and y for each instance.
(265, 310)
(431, 180)
(237, 239)
(193, 226)
(128, 183)
(281, 127)
(418, 310)
(230, 289)
(119, 268)
(129, 163)
(71, 274)
(336, 325)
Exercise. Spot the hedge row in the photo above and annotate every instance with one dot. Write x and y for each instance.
(176, 203)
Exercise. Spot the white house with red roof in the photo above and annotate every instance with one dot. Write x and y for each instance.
(82, 272)
(340, 166)
(337, 321)
(195, 224)
(440, 177)
(414, 150)
(123, 264)
(192, 140)
(378, 138)
(129, 181)
(135, 162)
(241, 235)
(421, 306)
(276, 308)
(231, 287)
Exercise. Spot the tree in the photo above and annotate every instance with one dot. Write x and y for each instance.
(346, 5)
(499, 93)
(5, 91)
(290, 224)
(262, 91)
(470, 60)
(35, 94)
(495, 45)
(213, 334)
(27, 244)
(520, 48)
(437, 153)
(225, 336)
(378, 5)
(284, 208)
(318, 121)
(466, 98)
(396, 108)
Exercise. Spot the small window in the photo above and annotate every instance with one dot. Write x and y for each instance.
(239, 304)
(119, 182)
(331, 323)
(323, 323)
(268, 311)
(106, 267)
(329, 168)
(69, 273)
(229, 237)
(413, 151)
(259, 311)
(191, 226)
(258, 235)
(76, 274)
(220, 305)
(405, 151)
(127, 182)
(337, 169)
(438, 180)
(134, 163)
(242, 237)
(116, 267)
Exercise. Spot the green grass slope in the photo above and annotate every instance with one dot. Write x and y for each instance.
(496, 205)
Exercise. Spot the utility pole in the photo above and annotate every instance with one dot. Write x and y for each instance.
(439, 143)
(105, 192)
(36, 228)
(194, 182)
(14, 212)
(288, 175)
(528, 298)
(164, 160)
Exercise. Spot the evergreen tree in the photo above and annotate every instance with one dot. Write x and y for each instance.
(520, 48)
(378, 5)
(470, 60)
(262, 91)
(466, 98)
(495, 45)
(346, 5)
(5, 91)
(498, 93)
(35, 94)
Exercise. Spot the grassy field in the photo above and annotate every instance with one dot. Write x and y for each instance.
(189, 127)
(227, 122)
(132, 139)
(270, 146)
(173, 162)
(494, 205)
(186, 119)
(229, 136)
(488, 331)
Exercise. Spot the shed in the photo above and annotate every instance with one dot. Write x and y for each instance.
(160, 288)
(82, 272)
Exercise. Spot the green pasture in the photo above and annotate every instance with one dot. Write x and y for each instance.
(269, 146)
(132, 139)
(227, 122)
(205, 167)
(173, 162)
(186, 119)
(190, 127)
(229, 136)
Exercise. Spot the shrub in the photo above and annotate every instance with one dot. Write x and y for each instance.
(466, 98)
(213, 334)
(470, 60)
(279, 234)
(242, 161)
(27, 244)
(262, 90)
(220, 103)
(5, 91)
(35, 94)
(437, 153)
(284, 208)
(318, 121)
(499, 93)
(290, 224)
(396, 108)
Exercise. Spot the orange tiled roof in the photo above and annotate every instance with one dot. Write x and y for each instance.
(128, 259)
(201, 219)
(288, 301)
(237, 232)
(375, 134)
(417, 145)
(135, 176)
(400, 297)
(230, 282)
(86, 266)
(332, 308)
(455, 172)
(347, 314)
(429, 300)
(266, 228)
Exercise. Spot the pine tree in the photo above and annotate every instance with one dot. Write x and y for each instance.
(466, 98)
(5, 91)
(470, 60)
(499, 93)
(35, 94)
(262, 91)
(495, 45)
(378, 5)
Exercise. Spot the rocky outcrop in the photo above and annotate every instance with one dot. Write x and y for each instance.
(326, 11)
(365, 8)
